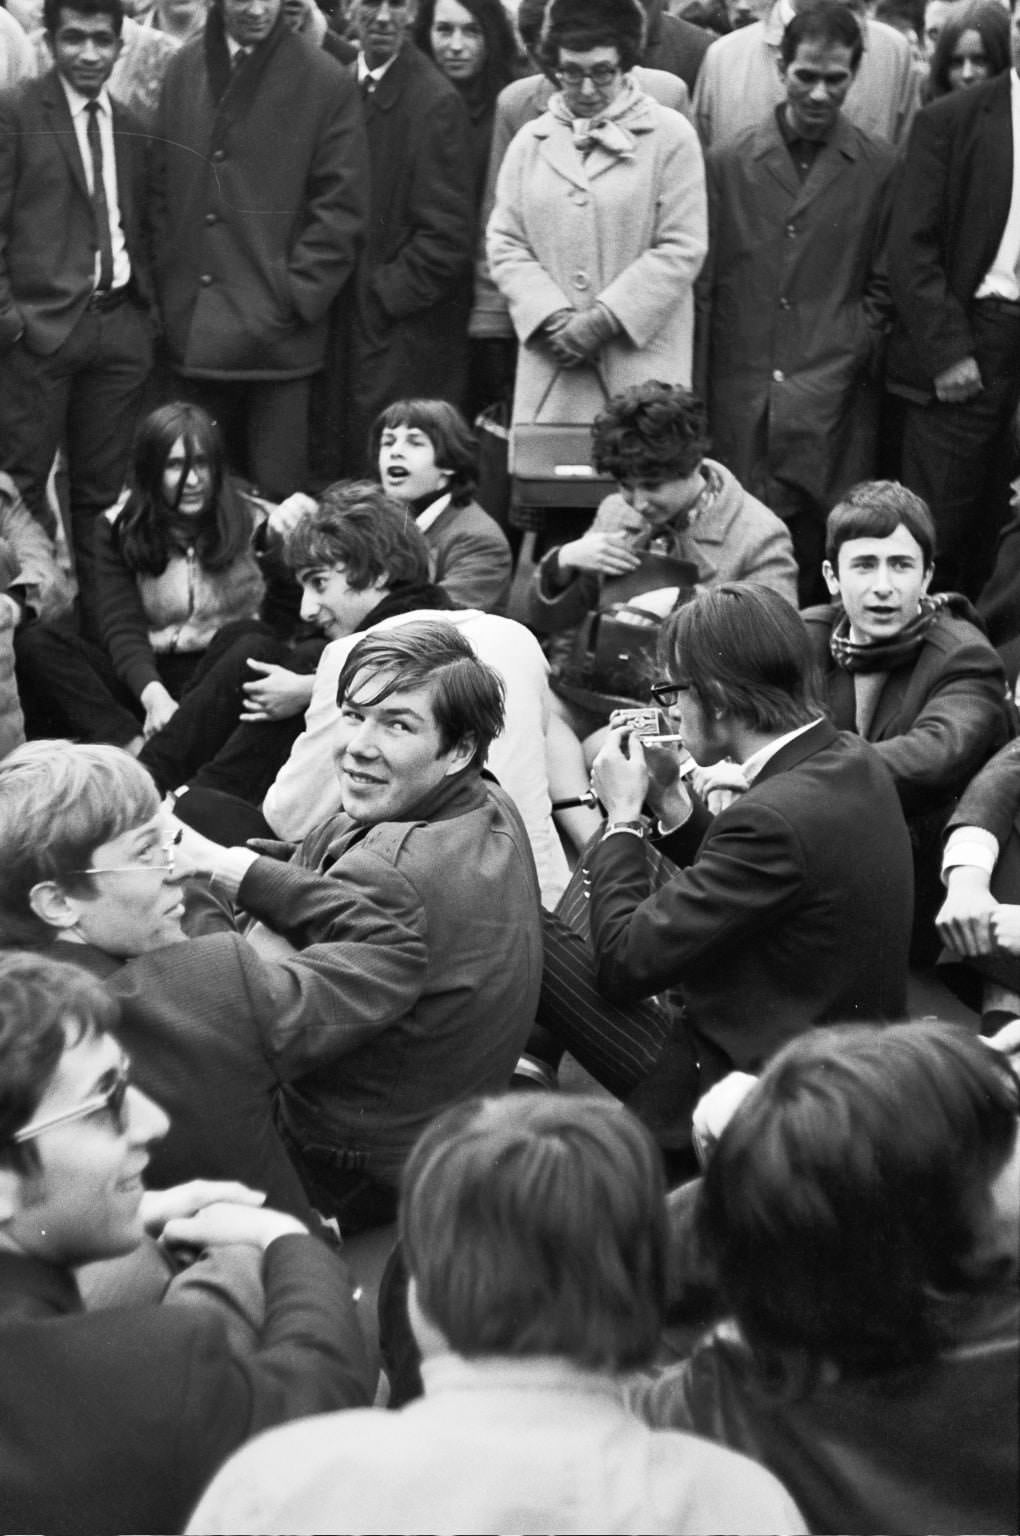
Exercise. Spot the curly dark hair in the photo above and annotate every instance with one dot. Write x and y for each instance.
(652, 431)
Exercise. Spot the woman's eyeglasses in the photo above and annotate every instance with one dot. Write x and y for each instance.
(600, 75)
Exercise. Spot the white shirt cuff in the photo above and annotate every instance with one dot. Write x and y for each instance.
(973, 846)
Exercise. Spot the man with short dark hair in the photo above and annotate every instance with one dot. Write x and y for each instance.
(115, 1419)
(535, 1237)
(75, 288)
(793, 303)
(789, 908)
(912, 674)
(861, 1211)
(438, 930)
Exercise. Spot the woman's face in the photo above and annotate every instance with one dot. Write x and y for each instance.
(589, 79)
(968, 63)
(457, 41)
(407, 464)
(193, 483)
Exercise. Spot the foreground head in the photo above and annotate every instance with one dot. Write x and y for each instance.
(534, 1224)
(381, 26)
(470, 40)
(85, 854)
(819, 56)
(652, 438)
(85, 41)
(356, 546)
(417, 707)
(423, 448)
(879, 549)
(868, 1171)
(588, 46)
(737, 658)
(973, 45)
(73, 1133)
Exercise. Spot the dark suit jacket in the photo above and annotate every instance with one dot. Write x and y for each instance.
(938, 718)
(948, 216)
(116, 1420)
(790, 908)
(47, 229)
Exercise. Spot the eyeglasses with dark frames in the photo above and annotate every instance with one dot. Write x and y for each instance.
(667, 693)
(111, 1098)
(600, 75)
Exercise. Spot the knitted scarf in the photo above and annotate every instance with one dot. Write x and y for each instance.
(885, 655)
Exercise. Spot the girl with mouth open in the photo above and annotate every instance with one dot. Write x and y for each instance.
(425, 456)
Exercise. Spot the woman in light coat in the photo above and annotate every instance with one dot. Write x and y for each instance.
(600, 224)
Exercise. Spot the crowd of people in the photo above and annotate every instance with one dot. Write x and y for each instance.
(509, 766)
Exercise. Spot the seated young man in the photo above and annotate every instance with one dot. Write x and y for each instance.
(362, 563)
(422, 898)
(534, 1229)
(791, 907)
(910, 673)
(87, 868)
(862, 1213)
(114, 1420)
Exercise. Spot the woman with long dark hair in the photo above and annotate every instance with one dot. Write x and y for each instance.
(973, 46)
(473, 43)
(177, 574)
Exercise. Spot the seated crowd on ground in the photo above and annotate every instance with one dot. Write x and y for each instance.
(509, 766)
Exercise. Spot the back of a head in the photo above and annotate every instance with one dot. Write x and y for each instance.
(59, 801)
(534, 1225)
(851, 1188)
(745, 652)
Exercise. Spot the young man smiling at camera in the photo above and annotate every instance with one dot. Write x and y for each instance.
(115, 1419)
(438, 933)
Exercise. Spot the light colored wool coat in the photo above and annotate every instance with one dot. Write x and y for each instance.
(631, 231)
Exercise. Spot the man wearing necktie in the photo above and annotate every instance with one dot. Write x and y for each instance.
(75, 294)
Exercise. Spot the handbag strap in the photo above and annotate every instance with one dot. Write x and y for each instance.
(596, 369)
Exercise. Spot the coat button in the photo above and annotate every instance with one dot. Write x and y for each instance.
(210, 218)
(580, 198)
(205, 279)
(581, 281)
(218, 156)
(778, 376)
(784, 304)
(791, 229)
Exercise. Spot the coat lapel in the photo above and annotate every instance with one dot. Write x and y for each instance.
(774, 157)
(62, 128)
(557, 149)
